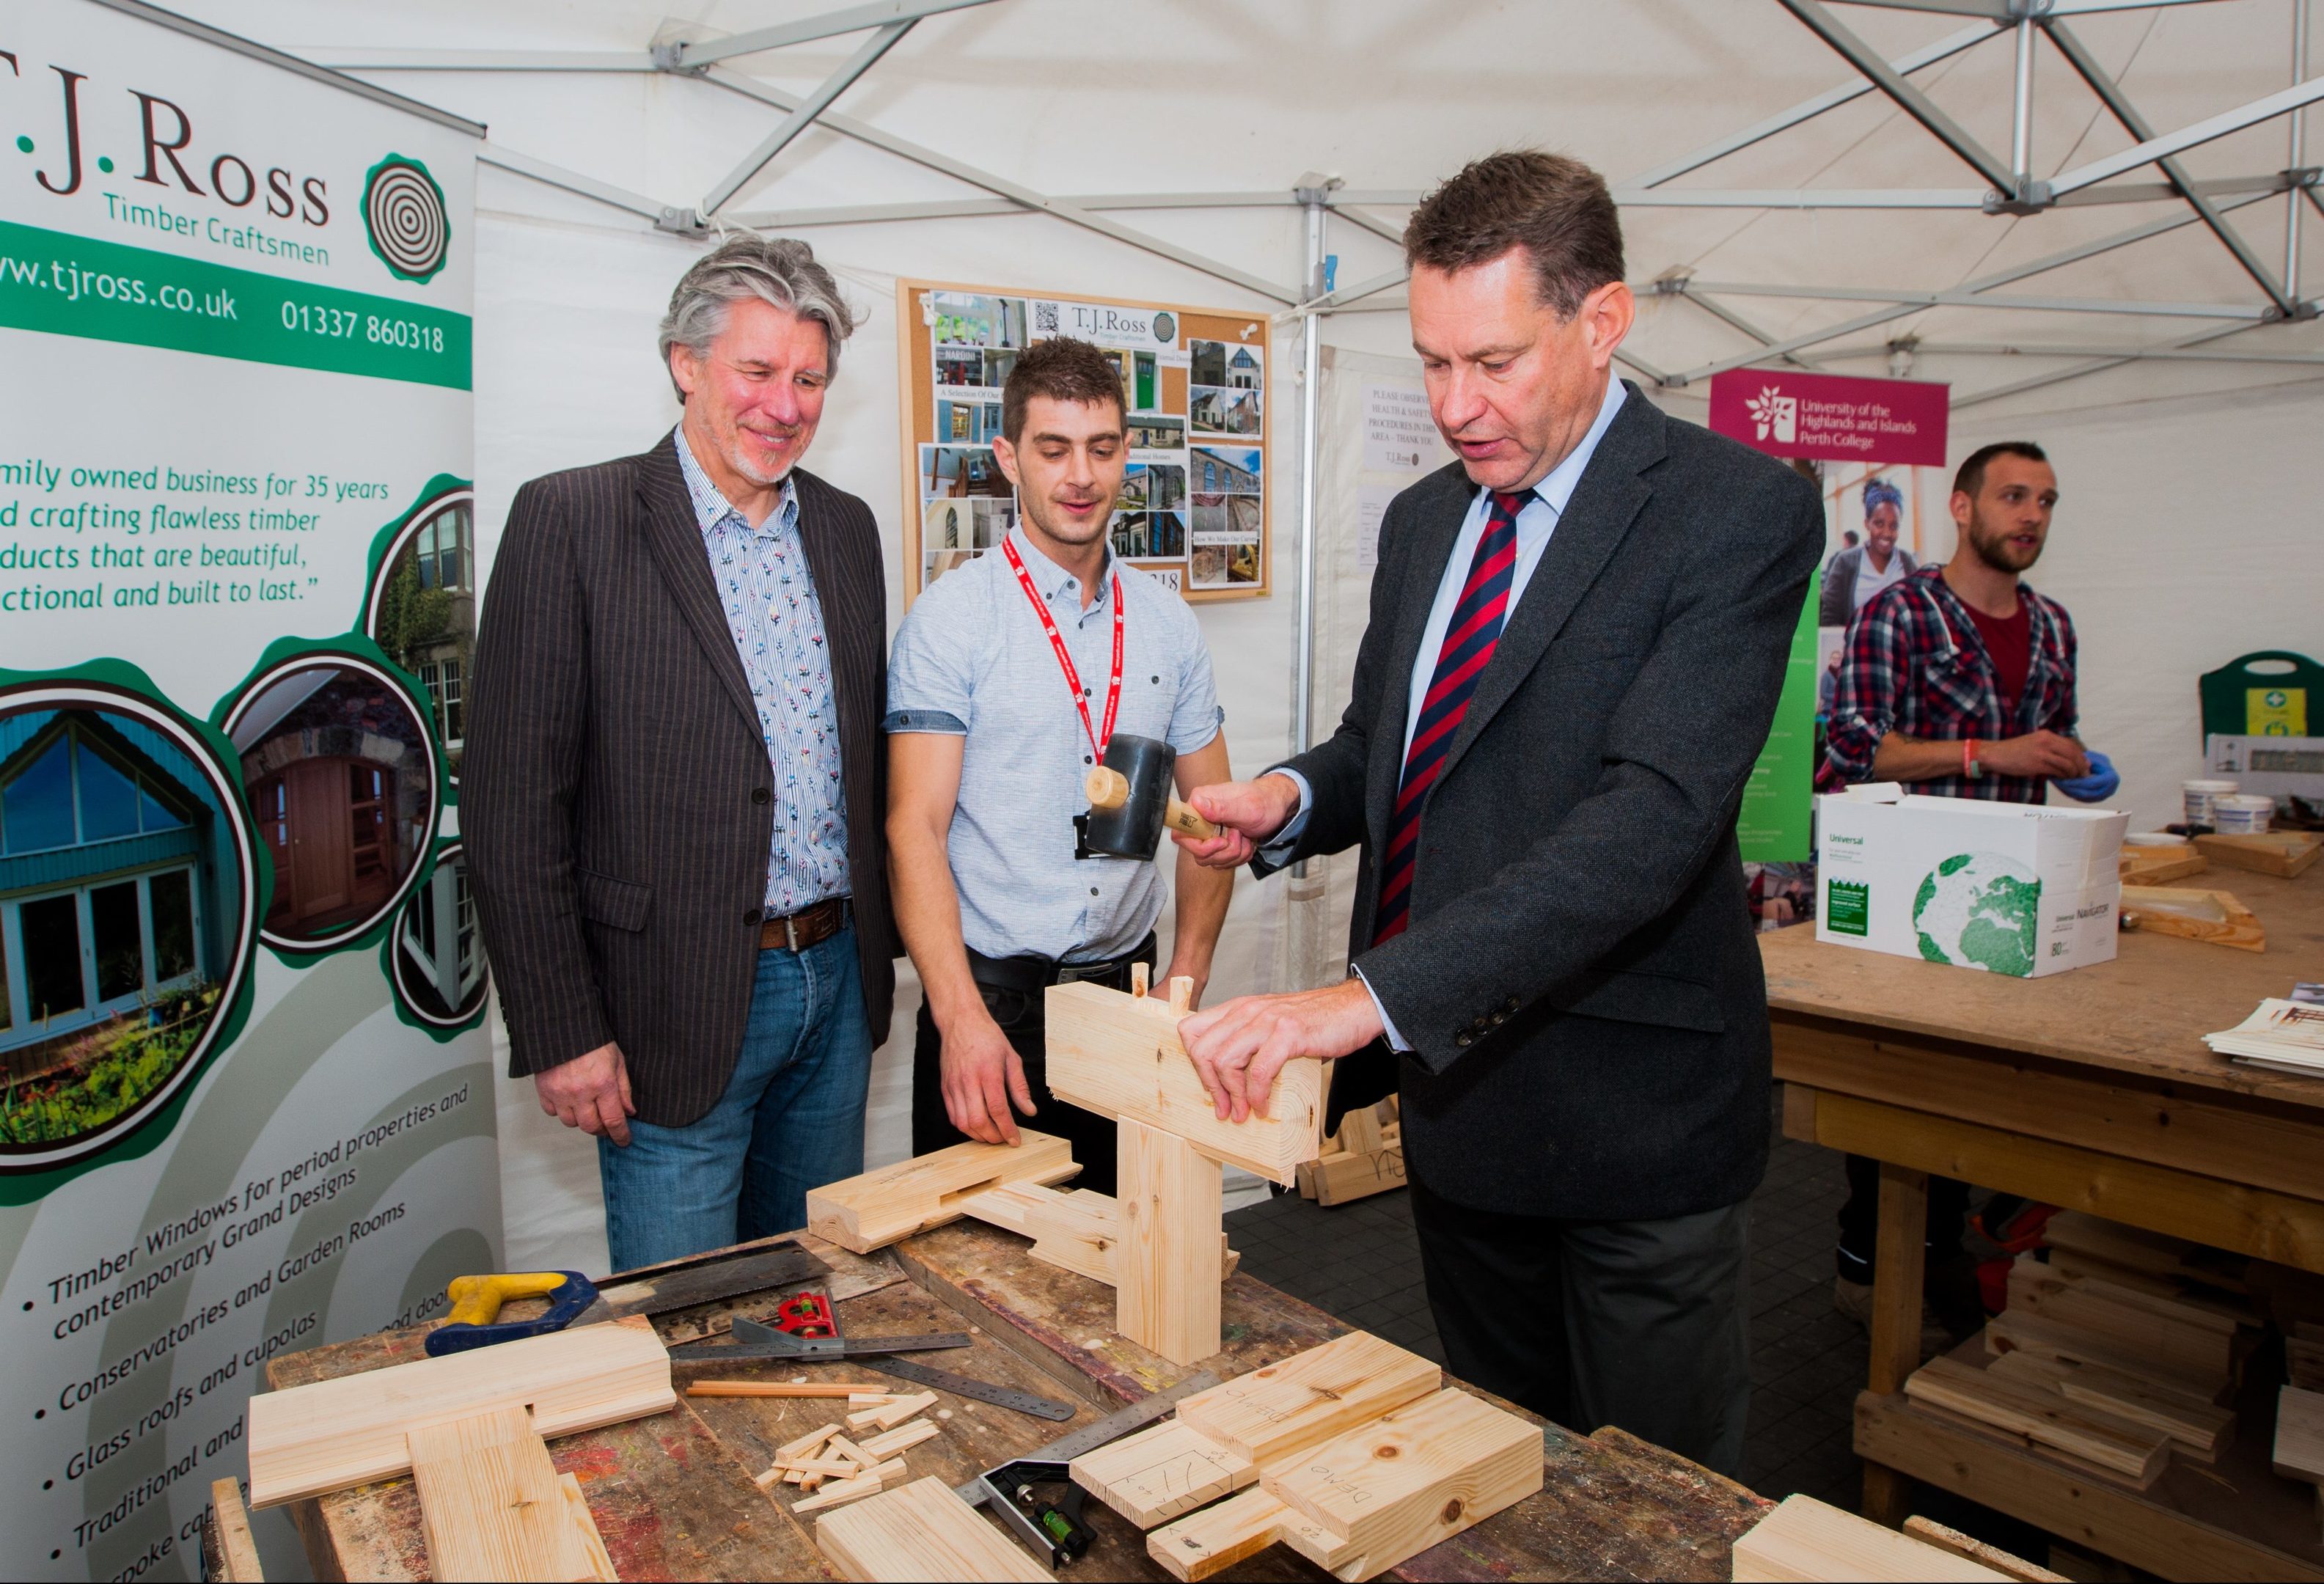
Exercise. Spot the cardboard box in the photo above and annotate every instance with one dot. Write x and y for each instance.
(2009, 887)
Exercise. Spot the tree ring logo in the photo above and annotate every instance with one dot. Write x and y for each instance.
(405, 217)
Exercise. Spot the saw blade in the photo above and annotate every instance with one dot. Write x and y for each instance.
(984, 1391)
(849, 1348)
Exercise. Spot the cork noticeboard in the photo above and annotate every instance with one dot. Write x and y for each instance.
(1198, 386)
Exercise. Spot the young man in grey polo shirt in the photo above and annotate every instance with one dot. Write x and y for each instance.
(992, 726)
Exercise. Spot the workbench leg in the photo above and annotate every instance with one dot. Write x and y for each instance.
(1168, 1267)
(1897, 1266)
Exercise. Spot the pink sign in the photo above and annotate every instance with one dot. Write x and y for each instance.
(1832, 418)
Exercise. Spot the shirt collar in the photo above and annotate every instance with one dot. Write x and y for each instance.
(1556, 488)
(1050, 580)
(712, 508)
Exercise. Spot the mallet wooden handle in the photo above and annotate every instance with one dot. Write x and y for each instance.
(1109, 789)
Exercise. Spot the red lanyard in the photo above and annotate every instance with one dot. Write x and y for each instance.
(1065, 661)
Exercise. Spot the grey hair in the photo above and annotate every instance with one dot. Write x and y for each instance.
(776, 270)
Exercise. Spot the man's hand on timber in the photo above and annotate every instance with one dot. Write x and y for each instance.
(1247, 814)
(1240, 1046)
(982, 1074)
(591, 1092)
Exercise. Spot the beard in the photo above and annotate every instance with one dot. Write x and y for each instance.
(1997, 548)
(735, 443)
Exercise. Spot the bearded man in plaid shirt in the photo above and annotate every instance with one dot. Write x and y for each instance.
(1960, 680)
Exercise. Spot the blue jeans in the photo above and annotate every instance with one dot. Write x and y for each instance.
(791, 1119)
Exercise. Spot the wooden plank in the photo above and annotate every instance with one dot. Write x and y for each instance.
(2185, 1538)
(1929, 1532)
(2197, 1429)
(1419, 1474)
(1341, 1178)
(819, 1389)
(2044, 1415)
(1166, 1264)
(2204, 1210)
(2008, 1332)
(2281, 854)
(1071, 1227)
(2266, 1144)
(919, 1532)
(2155, 866)
(903, 1438)
(1122, 1057)
(1162, 1472)
(1310, 1397)
(2158, 1254)
(584, 1523)
(315, 1438)
(1806, 1541)
(1897, 1276)
(2299, 1451)
(2187, 1348)
(490, 1500)
(237, 1552)
(877, 1208)
(2213, 916)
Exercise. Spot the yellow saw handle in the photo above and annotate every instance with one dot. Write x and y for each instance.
(477, 1299)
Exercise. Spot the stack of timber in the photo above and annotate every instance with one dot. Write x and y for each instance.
(2299, 1453)
(1804, 1542)
(2089, 1246)
(1364, 1157)
(2098, 1375)
(1354, 1454)
(469, 1429)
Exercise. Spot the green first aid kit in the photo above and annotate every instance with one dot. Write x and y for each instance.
(2268, 692)
(2004, 888)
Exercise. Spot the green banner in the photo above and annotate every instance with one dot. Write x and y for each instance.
(1773, 827)
(69, 285)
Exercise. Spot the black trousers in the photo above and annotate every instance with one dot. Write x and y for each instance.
(1859, 1219)
(1012, 987)
(1641, 1324)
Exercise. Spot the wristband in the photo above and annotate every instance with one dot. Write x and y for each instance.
(1971, 765)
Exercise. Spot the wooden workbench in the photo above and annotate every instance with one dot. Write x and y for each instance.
(2093, 1090)
(673, 1498)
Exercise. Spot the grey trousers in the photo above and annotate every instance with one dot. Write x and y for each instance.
(1641, 1324)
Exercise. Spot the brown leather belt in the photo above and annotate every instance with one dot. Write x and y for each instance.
(796, 932)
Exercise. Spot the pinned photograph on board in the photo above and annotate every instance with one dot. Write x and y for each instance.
(1153, 486)
(1157, 431)
(437, 956)
(1219, 411)
(1210, 519)
(964, 318)
(124, 885)
(423, 610)
(1242, 563)
(1207, 566)
(935, 564)
(1218, 470)
(971, 423)
(952, 472)
(993, 519)
(1140, 535)
(341, 776)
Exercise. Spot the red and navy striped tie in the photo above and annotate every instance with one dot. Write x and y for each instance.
(1469, 639)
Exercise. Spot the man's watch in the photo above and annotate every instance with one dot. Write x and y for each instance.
(1971, 765)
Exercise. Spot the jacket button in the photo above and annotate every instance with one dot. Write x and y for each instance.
(753, 914)
(1464, 1039)
(1498, 1018)
(1510, 1005)
(760, 795)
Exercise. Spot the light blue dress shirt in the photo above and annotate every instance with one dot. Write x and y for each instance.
(1537, 520)
(971, 660)
(768, 591)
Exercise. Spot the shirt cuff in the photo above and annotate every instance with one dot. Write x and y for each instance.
(939, 721)
(1395, 1042)
(1278, 851)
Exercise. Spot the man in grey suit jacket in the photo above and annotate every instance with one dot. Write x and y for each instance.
(1567, 674)
(673, 794)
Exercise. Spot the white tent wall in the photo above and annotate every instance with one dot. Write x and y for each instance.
(2187, 534)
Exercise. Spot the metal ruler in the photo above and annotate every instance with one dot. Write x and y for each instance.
(1100, 1432)
(984, 1391)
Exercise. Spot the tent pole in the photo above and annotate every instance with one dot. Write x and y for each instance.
(2021, 113)
(1311, 360)
(2298, 156)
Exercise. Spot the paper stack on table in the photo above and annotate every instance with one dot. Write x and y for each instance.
(2288, 1035)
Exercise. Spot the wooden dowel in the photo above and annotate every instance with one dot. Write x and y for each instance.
(1182, 996)
(776, 1388)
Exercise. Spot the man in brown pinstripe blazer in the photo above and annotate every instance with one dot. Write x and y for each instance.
(673, 794)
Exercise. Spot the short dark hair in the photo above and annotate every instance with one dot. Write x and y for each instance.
(1970, 478)
(1556, 208)
(1064, 370)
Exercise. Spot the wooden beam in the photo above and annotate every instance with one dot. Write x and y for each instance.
(490, 1503)
(2197, 1429)
(1218, 1536)
(919, 1532)
(2259, 1142)
(1074, 1229)
(1152, 1477)
(888, 1205)
(1121, 1056)
(1929, 1532)
(1896, 1282)
(2043, 1416)
(584, 1523)
(1804, 1539)
(2299, 1453)
(317, 1438)
(1310, 1397)
(2202, 1209)
(1167, 1265)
